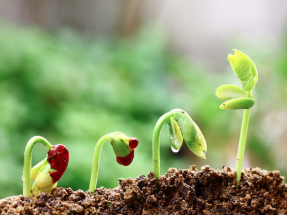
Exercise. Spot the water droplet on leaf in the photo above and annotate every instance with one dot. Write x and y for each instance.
(174, 150)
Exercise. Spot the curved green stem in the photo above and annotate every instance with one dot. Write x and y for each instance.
(155, 143)
(242, 141)
(28, 162)
(95, 165)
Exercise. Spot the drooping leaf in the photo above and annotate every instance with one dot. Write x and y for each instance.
(227, 91)
(123, 147)
(199, 147)
(120, 144)
(174, 133)
(235, 104)
(244, 68)
(186, 125)
(190, 133)
(39, 167)
(43, 179)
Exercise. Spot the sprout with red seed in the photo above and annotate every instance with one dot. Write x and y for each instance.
(123, 147)
(46, 173)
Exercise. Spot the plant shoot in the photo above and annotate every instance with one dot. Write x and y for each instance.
(123, 147)
(240, 97)
(46, 173)
(180, 127)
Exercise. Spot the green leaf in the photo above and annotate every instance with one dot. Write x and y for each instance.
(190, 133)
(199, 146)
(39, 167)
(174, 134)
(228, 91)
(235, 104)
(186, 124)
(120, 144)
(43, 181)
(244, 68)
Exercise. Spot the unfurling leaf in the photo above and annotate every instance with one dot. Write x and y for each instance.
(199, 146)
(235, 104)
(123, 147)
(180, 127)
(48, 172)
(240, 98)
(244, 68)
(190, 133)
(227, 91)
(174, 134)
(39, 167)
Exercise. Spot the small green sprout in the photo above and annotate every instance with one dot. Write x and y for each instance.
(123, 147)
(240, 97)
(46, 173)
(180, 127)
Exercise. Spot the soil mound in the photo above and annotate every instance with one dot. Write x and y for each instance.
(189, 191)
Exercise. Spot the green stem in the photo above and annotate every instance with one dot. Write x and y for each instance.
(242, 141)
(28, 162)
(155, 143)
(95, 165)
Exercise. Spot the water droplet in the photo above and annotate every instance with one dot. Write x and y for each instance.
(174, 150)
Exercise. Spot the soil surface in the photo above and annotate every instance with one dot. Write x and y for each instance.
(189, 191)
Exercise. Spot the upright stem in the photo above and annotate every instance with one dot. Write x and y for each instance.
(96, 159)
(28, 162)
(242, 142)
(155, 143)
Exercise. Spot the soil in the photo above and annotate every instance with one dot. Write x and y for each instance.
(189, 191)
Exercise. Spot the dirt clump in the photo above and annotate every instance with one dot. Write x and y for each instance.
(189, 191)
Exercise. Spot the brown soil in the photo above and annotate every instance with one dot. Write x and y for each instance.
(189, 191)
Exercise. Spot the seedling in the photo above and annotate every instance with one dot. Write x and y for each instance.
(123, 147)
(180, 127)
(46, 173)
(240, 97)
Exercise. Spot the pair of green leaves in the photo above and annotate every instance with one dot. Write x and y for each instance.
(239, 97)
(182, 127)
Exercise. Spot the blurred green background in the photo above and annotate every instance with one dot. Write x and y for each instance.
(72, 88)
